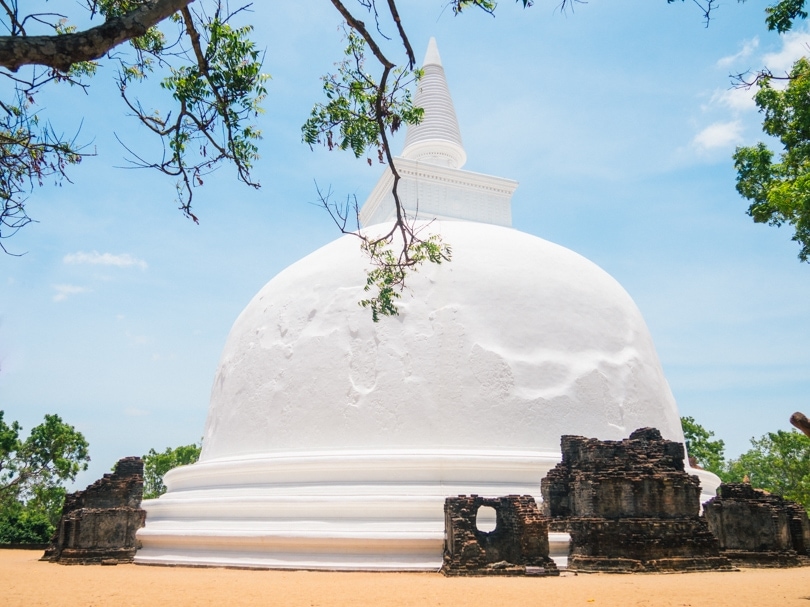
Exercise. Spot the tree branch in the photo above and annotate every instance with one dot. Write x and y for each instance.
(801, 422)
(360, 28)
(403, 36)
(61, 51)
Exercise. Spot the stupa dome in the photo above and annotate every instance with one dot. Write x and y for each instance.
(332, 441)
(512, 344)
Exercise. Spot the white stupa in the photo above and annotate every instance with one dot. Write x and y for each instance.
(332, 441)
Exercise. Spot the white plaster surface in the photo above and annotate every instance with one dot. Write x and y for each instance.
(512, 344)
(429, 191)
(332, 441)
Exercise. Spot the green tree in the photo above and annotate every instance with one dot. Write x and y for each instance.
(34, 521)
(32, 473)
(778, 462)
(780, 191)
(156, 465)
(707, 453)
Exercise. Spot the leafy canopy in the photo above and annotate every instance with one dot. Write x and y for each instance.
(156, 465)
(708, 453)
(357, 107)
(32, 472)
(54, 452)
(778, 462)
(33, 521)
(780, 191)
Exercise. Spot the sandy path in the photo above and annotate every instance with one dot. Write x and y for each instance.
(24, 581)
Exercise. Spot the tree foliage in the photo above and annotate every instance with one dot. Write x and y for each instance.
(708, 454)
(358, 112)
(32, 472)
(156, 465)
(780, 191)
(778, 462)
(33, 521)
(783, 14)
(208, 69)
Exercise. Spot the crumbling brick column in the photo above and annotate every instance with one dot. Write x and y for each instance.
(98, 524)
(629, 506)
(517, 546)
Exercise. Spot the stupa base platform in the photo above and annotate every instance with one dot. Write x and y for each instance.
(372, 510)
(380, 511)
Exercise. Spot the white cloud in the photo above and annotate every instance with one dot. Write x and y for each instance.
(794, 45)
(65, 291)
(719, 135)
(124, 260)
(749, 46)
(735, 99)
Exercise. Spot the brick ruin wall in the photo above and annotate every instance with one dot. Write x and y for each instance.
(98, 525)
(758, 529)
(629, 506)
(517, 546)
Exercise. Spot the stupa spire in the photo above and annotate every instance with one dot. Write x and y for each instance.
(432, 183)
(437, 139)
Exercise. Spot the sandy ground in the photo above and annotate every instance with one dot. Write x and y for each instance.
(26, 581)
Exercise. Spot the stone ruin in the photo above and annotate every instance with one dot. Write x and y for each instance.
(629, 506)
(517, 546)
(758, 529)
(98, 524)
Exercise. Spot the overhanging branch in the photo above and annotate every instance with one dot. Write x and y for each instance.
(61, 51)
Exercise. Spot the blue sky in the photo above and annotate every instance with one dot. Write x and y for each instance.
(618, 121)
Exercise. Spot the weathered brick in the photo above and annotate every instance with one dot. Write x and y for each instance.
(98, 524)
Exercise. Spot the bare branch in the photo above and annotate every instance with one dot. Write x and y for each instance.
(360, 28)
(747, 80)
(16, 26)
(706, 7)
(395, 16)
(400, 249)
